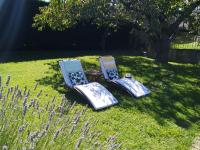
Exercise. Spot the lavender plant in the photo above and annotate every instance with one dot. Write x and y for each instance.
(27, 124)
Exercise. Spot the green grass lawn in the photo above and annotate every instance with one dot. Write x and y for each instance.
(190, 45)
(185, 41)
(169, 118)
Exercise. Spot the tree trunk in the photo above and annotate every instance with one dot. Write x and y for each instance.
(103, 39)
(162, 47)
(131, 38)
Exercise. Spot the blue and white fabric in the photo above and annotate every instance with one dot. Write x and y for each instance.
(135, 87)
(98, 95)
(112, 74)
(109, 70)
(75, 78)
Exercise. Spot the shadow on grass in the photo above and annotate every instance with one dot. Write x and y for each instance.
(56, 81)
(175, 88)
(32, 55)
(184, 38)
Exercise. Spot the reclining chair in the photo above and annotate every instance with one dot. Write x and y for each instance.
(75, 78)
(110, 73)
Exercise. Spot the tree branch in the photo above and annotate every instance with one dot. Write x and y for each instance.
(187, 11)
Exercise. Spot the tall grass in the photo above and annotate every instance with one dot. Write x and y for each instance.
(26, 124)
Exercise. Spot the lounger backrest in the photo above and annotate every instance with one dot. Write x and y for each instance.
(107, 62)
(71, 66)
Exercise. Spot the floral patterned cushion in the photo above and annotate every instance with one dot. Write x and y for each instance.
(98, 95)
(77, 78)
(112, 74)
(134, 87)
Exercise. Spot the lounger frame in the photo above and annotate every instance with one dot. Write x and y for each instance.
(113, 81)
(74, 88)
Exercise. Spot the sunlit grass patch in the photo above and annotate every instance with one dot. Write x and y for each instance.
(186, 41)
(166, 119)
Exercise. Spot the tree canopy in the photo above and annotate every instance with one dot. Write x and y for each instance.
(158, 18)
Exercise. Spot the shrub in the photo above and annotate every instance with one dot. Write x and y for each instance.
(27, 124)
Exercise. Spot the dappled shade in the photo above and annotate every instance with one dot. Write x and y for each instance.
(175, 88)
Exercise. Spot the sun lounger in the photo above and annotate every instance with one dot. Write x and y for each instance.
(75, 78)
(110, 73)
